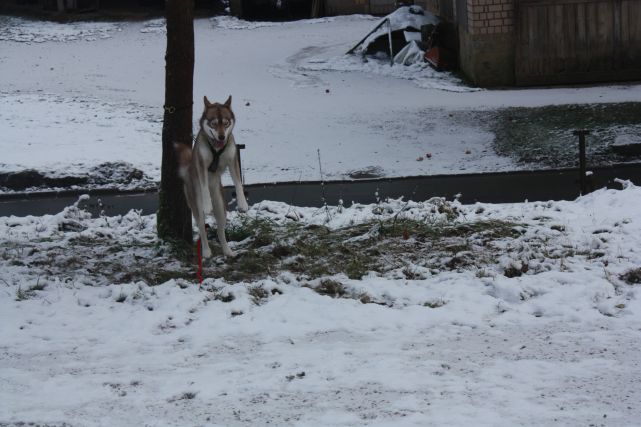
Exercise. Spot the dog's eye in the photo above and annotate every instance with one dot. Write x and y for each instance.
(226, 123)
(213, 122)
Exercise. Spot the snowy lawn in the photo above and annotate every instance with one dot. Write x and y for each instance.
(77, 96)
(392, 314)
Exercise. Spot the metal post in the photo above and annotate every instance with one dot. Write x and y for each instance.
(379, 25)
(240, 165)
(582, 168)
(389, 37)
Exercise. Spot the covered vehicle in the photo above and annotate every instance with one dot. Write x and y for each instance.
(404, 24)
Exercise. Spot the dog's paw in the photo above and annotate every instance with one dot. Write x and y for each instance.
(242, 206)
(229, 253)
(206, 252)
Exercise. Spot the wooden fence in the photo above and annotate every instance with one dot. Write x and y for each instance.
(573, 41)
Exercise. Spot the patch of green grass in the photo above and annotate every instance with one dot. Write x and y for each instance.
(252, 264)
(440, 242)
(260, 230)
(317, 251)
(357, 267)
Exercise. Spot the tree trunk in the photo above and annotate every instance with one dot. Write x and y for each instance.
(174, 217)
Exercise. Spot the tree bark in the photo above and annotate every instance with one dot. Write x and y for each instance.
(174, 217)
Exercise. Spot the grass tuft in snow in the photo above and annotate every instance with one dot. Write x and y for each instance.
(258, 294)
(24, 294)
(434, 304)
(29, 292)
(330, 288)
(632, 277)
(259, 229)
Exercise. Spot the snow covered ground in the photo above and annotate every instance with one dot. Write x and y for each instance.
(546, 333)
(394, 314)
(73, 96)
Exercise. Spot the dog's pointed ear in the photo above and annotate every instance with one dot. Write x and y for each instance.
(228, 102)
(207, 103)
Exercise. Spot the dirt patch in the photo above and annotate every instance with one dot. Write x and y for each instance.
(112, 175)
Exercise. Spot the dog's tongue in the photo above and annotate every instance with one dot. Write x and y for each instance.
(219, 144)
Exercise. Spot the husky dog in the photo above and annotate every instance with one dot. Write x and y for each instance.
(202, 166)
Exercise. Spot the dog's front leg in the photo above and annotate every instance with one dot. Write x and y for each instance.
(234, 171)
(220, 213)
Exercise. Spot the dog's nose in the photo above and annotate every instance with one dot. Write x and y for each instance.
(221, 137)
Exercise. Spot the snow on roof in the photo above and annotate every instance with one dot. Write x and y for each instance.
(402, 18)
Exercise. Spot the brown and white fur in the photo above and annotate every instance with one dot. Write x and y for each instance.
(203, 189)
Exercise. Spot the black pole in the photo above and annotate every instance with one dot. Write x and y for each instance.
(240, 165)
(582, 167)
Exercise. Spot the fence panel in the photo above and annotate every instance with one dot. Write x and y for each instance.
(571, 41)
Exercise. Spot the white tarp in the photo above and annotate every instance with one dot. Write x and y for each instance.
(410, 54)
(413, 17)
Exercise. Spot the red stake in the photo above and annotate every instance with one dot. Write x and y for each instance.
(199, 273)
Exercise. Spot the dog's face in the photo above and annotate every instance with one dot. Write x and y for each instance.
(217, 122)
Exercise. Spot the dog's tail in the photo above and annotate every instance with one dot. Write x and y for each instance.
(183, 151)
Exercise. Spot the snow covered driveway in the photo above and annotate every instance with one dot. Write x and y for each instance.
(75, 96)
(555, 343)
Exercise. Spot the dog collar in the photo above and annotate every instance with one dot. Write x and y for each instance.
(214, 163)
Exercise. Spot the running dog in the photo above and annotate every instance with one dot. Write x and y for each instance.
(202, 166)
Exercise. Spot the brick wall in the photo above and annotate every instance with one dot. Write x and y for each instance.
(487, 35)
(490, 16)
